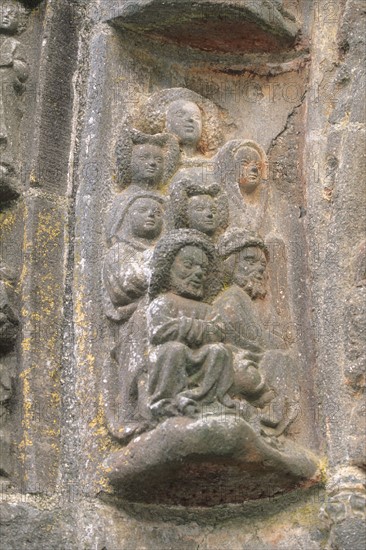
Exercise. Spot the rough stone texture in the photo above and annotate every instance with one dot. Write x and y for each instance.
(287, 75)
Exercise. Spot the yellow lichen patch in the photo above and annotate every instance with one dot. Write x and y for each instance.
(323, 465)
(26, 344)
(47, 234)
(7, 221)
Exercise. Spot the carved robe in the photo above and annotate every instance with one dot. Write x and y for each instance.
(126, 272)
(189, 359)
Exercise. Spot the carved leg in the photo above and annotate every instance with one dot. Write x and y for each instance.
(168, 377)
(215, 377)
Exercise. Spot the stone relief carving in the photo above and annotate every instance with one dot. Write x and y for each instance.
(13, 75)
(186, 288)
(8, 333)
(193, 119)
(355, 364)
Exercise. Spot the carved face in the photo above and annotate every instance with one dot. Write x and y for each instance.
(184, 119)
(189, 272)
(248, 164)
(9, 17)
(249, 271)
(202, 214)
(147, 164)
(145, 218)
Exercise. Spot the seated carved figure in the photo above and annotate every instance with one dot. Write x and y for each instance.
(189, 363)
(261, 361)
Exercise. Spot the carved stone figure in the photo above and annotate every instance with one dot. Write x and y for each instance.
(193, 349)
(189, 364)
(8, 333)
(13, 75)
(187, 115)
(355, 364)
(260, 361)
(145, 161)
(241, 167)
(198, 203)
(136, 221)
(198, 436)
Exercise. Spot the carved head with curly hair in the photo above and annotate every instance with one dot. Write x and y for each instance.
(245, 261)
(144, 160)
(198, 203)
(185, 263)
(192, 118)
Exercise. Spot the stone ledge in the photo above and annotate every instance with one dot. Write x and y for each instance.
(209, 25)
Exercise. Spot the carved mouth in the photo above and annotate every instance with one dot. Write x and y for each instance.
(196, 284)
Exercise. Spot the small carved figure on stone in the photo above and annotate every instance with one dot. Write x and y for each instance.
(135, 222)
(355, 360)
(13, 74)
(9, 325)
(198, 203)
(145, 161)
(190, 365)
(241, 168)
(260, 358)
(189, 116)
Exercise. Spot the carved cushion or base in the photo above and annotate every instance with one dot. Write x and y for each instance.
(206, 461)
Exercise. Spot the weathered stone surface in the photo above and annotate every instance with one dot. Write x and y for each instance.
(220, 26)
(182, 274)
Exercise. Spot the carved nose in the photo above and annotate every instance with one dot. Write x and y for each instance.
(198, 273)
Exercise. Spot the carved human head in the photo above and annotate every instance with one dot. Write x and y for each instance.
(147, 165)
(245, 256)
(12, 15)
(249, 169)
(192, 118)
(139, 216)
(198, 203)
(144, 160)
(189, 271)
(241, 166)
(184, 119)
(184, 263)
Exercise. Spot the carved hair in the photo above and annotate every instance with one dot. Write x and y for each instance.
(153, 115)
(187, 186)
(236, 240)
(166, 251)
(233, 242)
(119, 209)
(130, 137)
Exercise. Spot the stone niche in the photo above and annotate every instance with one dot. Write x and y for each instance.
(195, 352)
